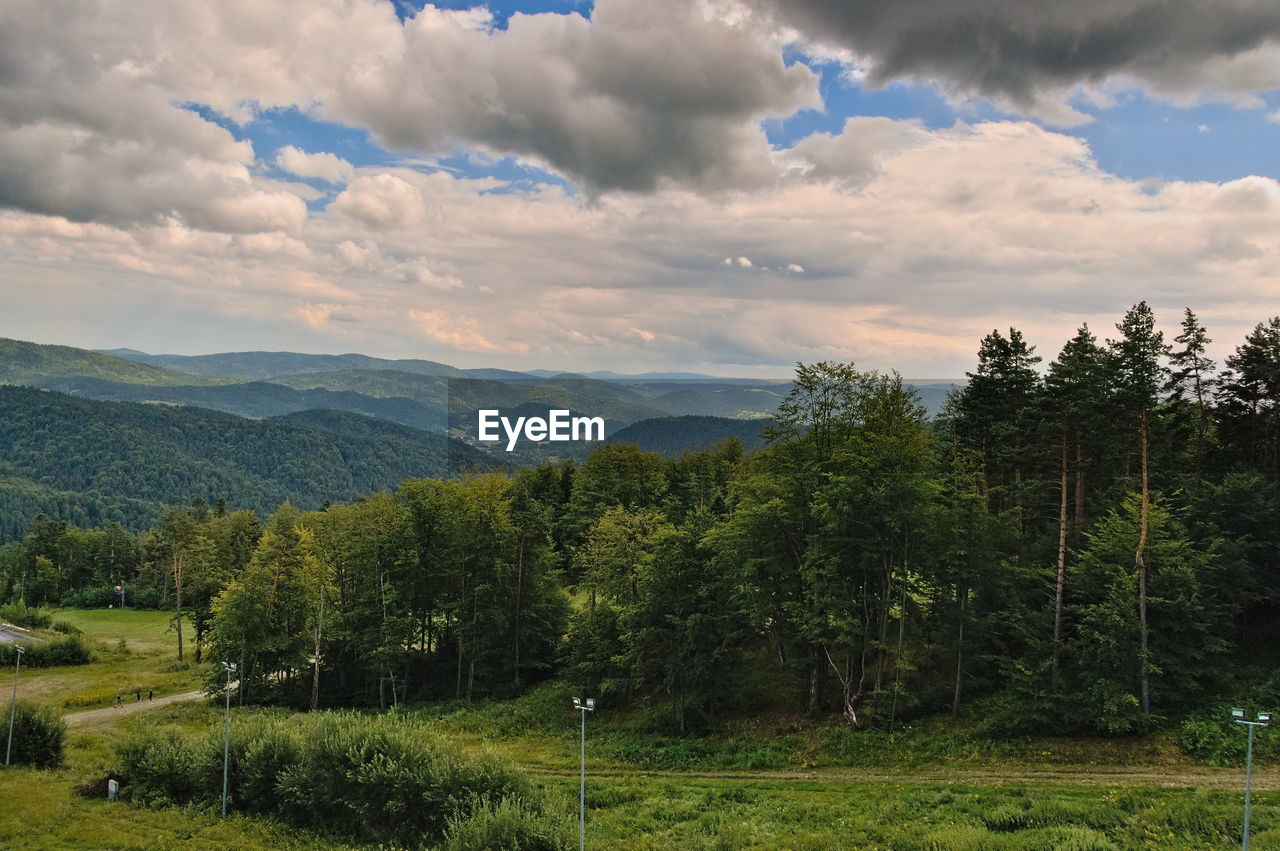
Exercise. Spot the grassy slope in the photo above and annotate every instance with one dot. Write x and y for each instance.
(150, 662)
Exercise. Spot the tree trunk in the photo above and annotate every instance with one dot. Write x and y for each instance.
(177, 590)
(1140, 562)
(962, 595)
(315, 671)
(897, 657)
(1062, 565)
(1079, 513)
(519, 602)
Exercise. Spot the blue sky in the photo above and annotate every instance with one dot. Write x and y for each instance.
(1139, 137)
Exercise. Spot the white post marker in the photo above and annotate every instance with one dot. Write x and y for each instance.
(113, 789)
(13, 705)
(1264, 718)
(583, 706)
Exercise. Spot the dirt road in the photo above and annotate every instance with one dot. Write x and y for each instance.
(128, 707)
(1198, 778)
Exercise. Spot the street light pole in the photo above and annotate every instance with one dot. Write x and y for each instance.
(1237, 715)
(230, 668)
(13, 705)
(583, 706)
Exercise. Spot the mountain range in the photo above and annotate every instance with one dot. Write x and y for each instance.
(126, 432)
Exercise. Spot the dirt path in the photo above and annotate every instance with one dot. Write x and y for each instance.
(128, 707)
(1198, 778)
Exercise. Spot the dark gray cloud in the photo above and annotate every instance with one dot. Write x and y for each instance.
(1020, 51)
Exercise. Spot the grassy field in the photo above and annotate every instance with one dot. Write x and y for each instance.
(134, 650)
(764, 783)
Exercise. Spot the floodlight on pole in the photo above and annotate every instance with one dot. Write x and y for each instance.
(583, 705)
(230, 668)
(13, 704)
(1237, 717)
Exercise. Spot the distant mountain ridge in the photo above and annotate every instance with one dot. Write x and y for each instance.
(22, 362)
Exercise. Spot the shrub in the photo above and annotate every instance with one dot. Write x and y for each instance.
(38, 735)
(20, 614)
(509, 824)
(48, 654)
(379, 778)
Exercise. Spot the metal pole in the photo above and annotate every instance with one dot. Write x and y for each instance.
(13, 705)
(582, 788)
(1248, 787)
(226, 746)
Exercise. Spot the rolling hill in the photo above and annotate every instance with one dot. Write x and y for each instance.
(671, 436)
(255, 366)
(23, 363)
(104, 461)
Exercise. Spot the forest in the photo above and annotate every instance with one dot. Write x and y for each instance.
(1084, 545)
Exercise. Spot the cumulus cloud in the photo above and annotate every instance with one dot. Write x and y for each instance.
(323, 166)
(81, 136)
(92, 96)
(965, 229)
(1032, 54)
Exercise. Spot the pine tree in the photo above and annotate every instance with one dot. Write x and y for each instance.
(1139, 379)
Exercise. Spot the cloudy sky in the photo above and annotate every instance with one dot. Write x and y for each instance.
(724, 186)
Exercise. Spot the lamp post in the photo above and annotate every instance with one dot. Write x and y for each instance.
(230, 668)
(13, 705)
(583, 705)
(1237, 715)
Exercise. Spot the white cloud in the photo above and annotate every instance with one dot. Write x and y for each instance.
(968, 228)
(324, 166)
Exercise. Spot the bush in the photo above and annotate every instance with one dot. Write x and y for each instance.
(379, 778)
(20, 614)
(38, 735)
(510, 824)
(48, 654)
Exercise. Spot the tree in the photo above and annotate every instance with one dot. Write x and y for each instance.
(1140, 378)
(1191, 385)
(1075, 403)
(1173, 654)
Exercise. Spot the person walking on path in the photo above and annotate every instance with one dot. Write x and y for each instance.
(150, 694)
(137, 696)
(117, 701)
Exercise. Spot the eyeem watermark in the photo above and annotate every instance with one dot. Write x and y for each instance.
(558, 426)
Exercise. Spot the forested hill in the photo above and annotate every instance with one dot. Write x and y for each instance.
(98, 462)
(671, 436)
(255, 366)
(24, 363)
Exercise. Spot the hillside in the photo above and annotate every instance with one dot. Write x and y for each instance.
(26, 363)
(258, 399)
(671, 436)
(102, 461)
(255, 366)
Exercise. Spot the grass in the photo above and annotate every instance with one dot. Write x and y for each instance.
(768, 782)
(144, 630)
(145, 661)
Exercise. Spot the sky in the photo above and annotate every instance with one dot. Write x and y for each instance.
(719, 186)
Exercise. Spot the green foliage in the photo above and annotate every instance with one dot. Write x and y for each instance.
(20, 614)
(379, 778)
(71, 650)
(509, 824)
(39, 734)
